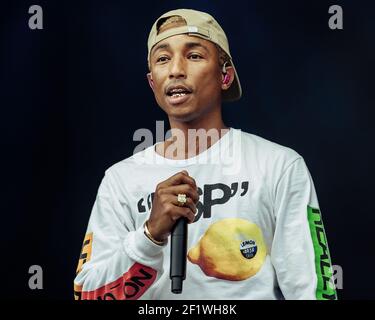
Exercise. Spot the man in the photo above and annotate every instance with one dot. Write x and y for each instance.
(255, 229)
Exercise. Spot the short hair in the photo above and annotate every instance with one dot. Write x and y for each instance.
(177, 21)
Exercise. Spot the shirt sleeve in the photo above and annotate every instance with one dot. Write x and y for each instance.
(117, 261)
(299, 250)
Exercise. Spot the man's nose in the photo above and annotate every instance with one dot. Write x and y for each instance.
(177, 68)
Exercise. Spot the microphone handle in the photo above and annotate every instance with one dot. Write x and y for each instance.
(178, 255)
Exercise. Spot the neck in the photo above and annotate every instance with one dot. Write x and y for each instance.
(189, 138)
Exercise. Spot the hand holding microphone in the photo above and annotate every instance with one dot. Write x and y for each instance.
(170, 213)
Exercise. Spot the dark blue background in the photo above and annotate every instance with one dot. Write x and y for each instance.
(73, 94)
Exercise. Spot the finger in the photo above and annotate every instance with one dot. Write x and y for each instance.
(179, 178)
(183, 212)
(171, 198)
(183, 188)
(189, 203)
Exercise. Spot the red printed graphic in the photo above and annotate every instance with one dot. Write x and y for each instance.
(130, 286)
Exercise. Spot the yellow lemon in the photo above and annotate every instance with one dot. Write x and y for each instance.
(230, 249)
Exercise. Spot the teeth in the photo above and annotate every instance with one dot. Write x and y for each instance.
(177, 91)
(178, 94)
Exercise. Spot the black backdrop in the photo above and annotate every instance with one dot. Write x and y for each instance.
(73, 94)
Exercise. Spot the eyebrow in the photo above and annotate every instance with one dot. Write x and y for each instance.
(188, 45)
(195, 44)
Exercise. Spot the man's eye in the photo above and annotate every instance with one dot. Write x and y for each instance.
(162, 59)
(195, 56)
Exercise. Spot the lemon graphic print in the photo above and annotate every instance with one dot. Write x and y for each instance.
(230, 249)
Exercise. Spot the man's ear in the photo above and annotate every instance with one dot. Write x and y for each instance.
(150, 81)
(226, 83)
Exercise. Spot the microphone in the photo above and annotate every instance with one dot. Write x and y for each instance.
(178, 255)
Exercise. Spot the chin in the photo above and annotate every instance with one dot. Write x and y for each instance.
(183, 115)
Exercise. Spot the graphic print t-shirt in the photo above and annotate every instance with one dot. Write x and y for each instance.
(257, 234)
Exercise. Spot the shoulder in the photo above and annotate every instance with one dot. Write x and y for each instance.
(266, 151)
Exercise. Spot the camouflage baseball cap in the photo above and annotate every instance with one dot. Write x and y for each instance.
(198, 24)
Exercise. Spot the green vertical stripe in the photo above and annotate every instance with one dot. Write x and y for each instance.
(323, 264)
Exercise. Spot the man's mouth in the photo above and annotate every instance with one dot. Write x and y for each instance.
(177, 91)
(178, 94)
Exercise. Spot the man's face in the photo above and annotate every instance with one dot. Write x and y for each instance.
(185, 76)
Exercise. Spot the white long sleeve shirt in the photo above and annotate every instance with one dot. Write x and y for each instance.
(258, 232)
